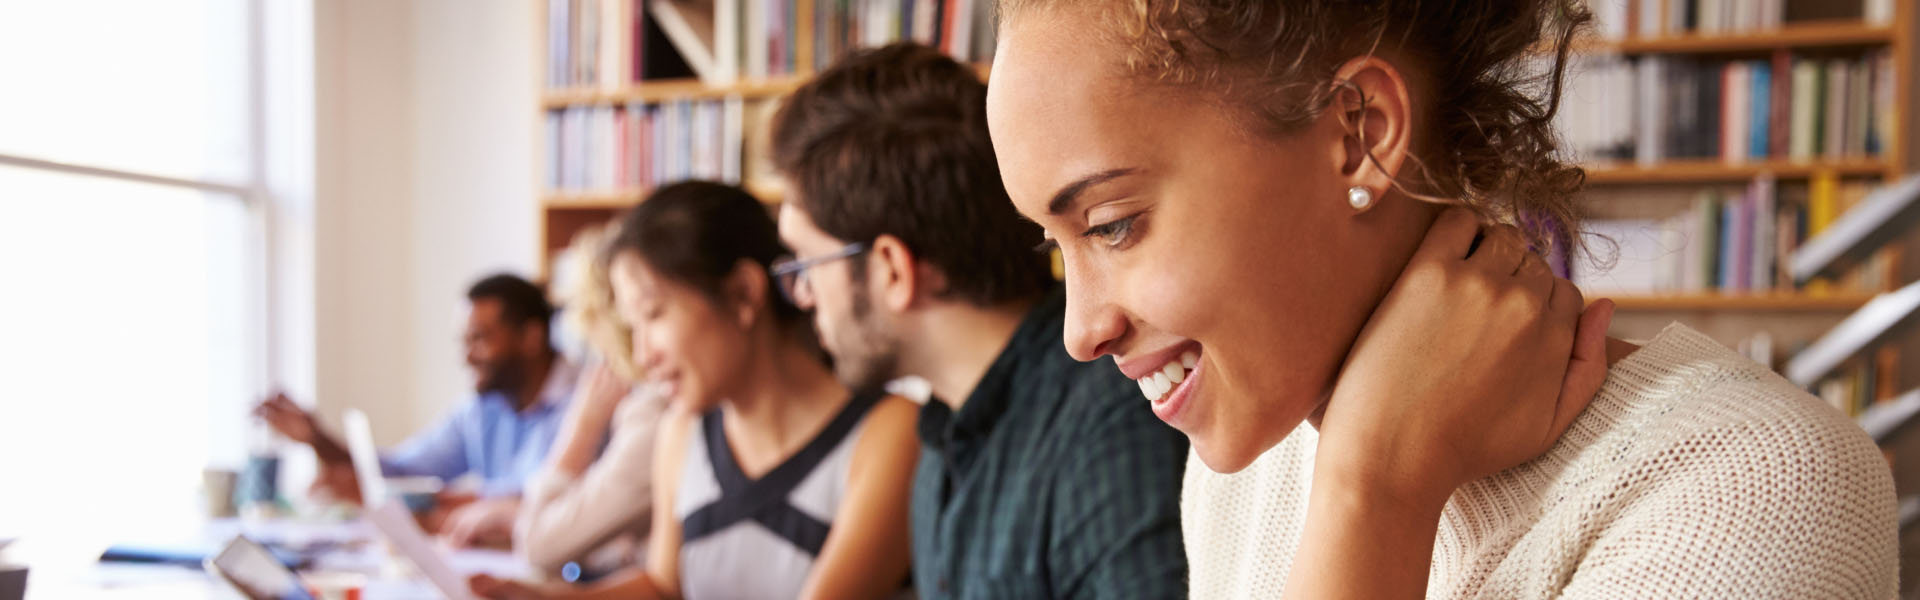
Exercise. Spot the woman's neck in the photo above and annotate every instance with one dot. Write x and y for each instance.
(785, 397)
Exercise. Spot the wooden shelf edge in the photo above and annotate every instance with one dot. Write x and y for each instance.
(770, 194)
(675, 89)
(591, 201)
(1815, 34)
(1837, 302)
(1714, 170)
(653, 92)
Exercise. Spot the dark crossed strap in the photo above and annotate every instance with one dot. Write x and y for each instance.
(765, 500)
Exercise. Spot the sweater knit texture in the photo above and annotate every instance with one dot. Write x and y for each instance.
(1695, 473)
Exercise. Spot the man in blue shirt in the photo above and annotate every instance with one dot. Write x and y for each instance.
(502, 435)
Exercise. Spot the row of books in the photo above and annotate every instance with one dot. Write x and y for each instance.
(1731, 243)
(724, 41)
(638, 146)
(1655, 108)
(1619, 19)
(607, 44)
(1851, 389)
(1860, 386)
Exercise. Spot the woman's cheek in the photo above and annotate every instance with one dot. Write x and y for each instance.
(1170, 294)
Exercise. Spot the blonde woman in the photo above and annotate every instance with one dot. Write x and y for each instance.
(591, 505)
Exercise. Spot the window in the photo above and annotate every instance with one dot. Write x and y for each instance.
(131, 319)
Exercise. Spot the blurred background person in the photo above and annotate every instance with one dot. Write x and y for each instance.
(773, 480)
(590, 506)
(522, 387)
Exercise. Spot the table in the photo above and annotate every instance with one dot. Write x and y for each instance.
(70, 571)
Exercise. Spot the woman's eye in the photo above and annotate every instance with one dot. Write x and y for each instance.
(1115, 233)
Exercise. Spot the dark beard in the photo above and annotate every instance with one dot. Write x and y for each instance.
(505, 378)
(872, 358)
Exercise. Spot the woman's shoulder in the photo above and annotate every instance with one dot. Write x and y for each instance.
(887, 433)
(1728, 463)
(1682, 386)
(1685, 418)
(892, 411)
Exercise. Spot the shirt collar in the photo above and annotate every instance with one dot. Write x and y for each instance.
(1038, 334)
(558, 389)
(561, 377)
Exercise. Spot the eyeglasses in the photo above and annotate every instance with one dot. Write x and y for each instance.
(791, 272)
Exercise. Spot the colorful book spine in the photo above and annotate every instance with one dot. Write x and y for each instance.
(1761, 115)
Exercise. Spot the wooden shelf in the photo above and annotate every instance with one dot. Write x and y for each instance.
(675, 89)
(684, 89)
(1836, 302)
(611, 200)
(768, 193)
(1715, 170)
(1817, 34)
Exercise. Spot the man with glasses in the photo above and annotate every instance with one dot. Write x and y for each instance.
(1039, 476)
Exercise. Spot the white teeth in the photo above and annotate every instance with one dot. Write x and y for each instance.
(1155, 385)
(1173, 372)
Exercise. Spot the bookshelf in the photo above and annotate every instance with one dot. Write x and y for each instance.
(1763, 61)
(643, 92)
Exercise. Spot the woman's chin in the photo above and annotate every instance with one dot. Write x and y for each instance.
(1231, 450)
(1223, 456)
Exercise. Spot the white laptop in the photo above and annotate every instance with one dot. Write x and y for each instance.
(390, 515)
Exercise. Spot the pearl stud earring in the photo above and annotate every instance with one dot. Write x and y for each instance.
(1360, 198)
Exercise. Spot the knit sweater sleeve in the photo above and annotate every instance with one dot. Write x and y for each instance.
(564, 518)
(1793, 504)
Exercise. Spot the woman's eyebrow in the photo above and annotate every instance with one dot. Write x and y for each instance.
(1063, 199)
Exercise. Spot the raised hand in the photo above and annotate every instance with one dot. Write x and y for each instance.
(288, 418)
(1476, 361)
(480, 522)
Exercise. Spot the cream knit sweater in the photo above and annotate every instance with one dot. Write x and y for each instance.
(1694, 474)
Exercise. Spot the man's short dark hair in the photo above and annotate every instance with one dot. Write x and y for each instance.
(893, 141)
(521, 302)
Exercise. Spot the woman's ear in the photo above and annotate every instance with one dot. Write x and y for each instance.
(746, 292)
(892, 273)
(1375, 109)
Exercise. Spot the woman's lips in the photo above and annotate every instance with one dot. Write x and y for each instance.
(1168, 388)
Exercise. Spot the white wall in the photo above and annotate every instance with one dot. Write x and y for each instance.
(424, 182)
(475, 209)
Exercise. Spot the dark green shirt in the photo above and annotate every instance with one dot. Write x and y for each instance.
(1054, 480)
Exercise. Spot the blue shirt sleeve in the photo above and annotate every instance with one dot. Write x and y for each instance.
(438, 451)
(517, 460)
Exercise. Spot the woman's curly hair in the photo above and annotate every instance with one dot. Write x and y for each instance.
(1489, 108)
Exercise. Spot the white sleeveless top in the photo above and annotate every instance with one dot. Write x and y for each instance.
(746, 538)
(1696, 473)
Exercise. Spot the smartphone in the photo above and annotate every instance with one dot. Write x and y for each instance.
(253, 570)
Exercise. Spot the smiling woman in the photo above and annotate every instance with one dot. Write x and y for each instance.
(1251, 200)
(771, 479)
